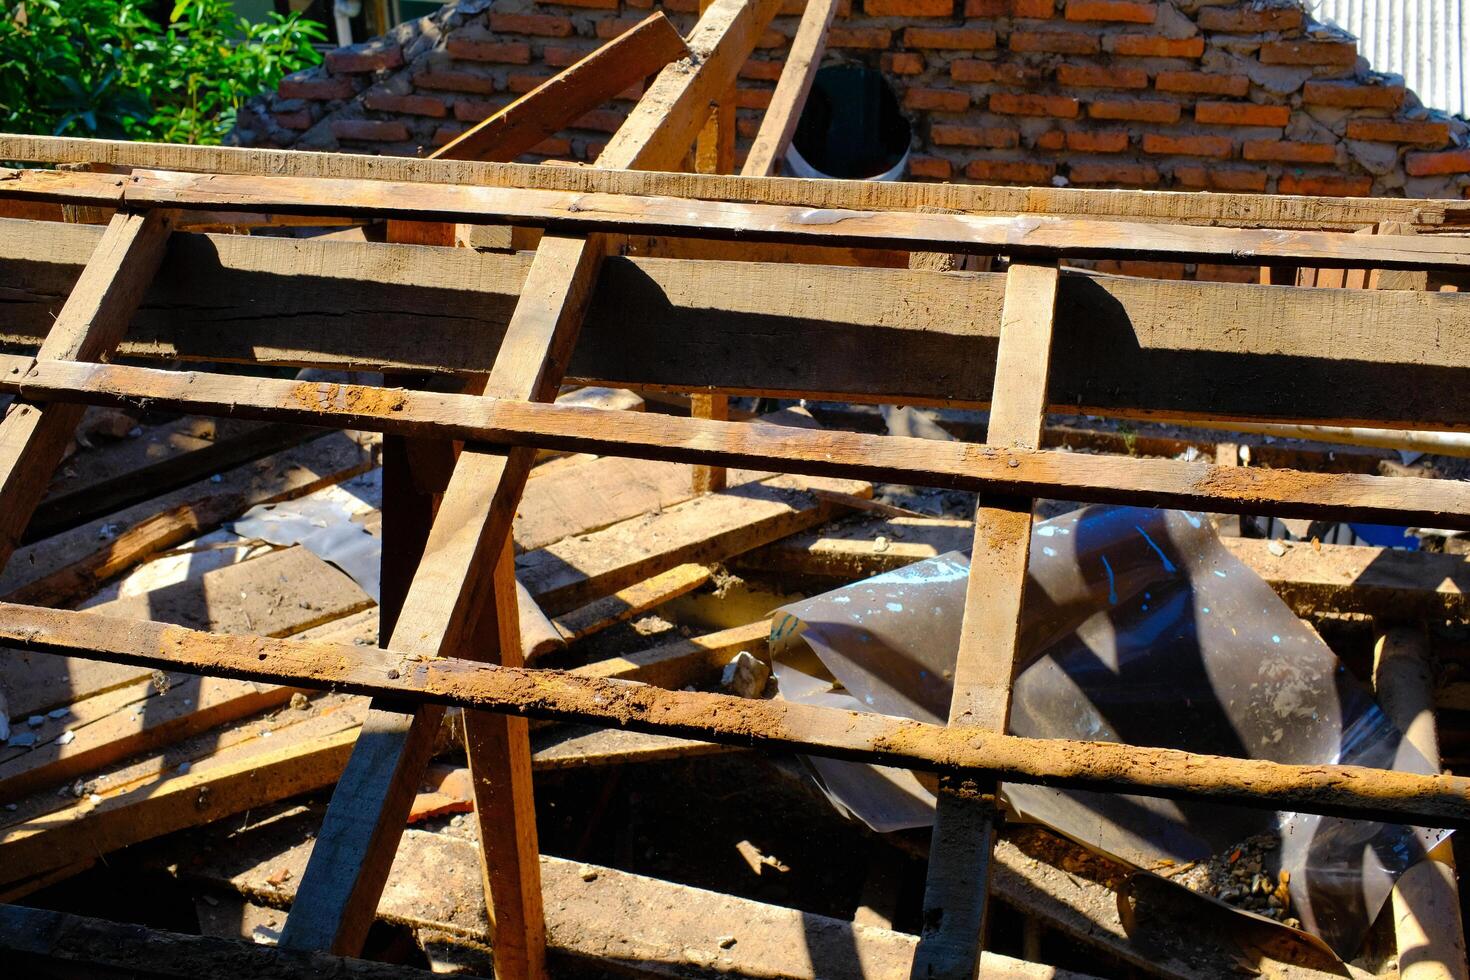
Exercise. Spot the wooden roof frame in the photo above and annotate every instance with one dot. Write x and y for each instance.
(455, 640)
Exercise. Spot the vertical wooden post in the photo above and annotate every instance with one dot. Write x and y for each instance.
(957, 890)
(1426, 900)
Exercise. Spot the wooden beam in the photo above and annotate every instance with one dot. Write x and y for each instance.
(1236, 210)
(1181, 349)
(1377, 794)
(33, 439)
(562, 99)
(39, 942)
(803, 58)
(957, 889)
(579, 212)
(955, 465)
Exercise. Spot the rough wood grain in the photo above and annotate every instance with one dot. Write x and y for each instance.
(1438, 800)
(803, 58)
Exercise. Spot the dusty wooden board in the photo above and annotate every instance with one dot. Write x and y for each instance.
(630, 601)
(40, 942)
(1358, 792)
(1185, 349)
(281, 476)
(585, 212)
(1311, 579)
(577, 570)
(279, 594)
(954, 465)
(676, 929)
(1222, 209)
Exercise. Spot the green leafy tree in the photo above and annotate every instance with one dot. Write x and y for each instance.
(105, 68)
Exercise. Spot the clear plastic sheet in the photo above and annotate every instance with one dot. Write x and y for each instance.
(1139, 627)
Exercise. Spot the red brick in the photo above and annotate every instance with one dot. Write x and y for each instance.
(1215, 272)
(1392, 131)
(1149, 46)
(1052, 140)
(1350, 95)
(371, 130)
(521, 82)
(990, 137)
(473, 110)
(1116, 11)
(540, 25)
(1241, 114)
(599, 4)
(1034, 9)
(611, 27)
(929, 168)
(902, 62)
(1132, 174)
(364, 59)
(763, 69)
(1248, 180)
(936, 99)
(771, 40)
(859, 37)
(1098, 141)
(1054, 42)
(1011, 171)
(595, 148)
(561, 56)
(602, 120)
(1005, 72)
(955, 38)
(317, 89)
(1187, 146)
(1287, 151)
(1339, 53)
(908, 8)
(300, 119)
(747, 126)
(552, 146)
(753, 98)
(1096, 76)
(1250, 19)
(500, 52)
(681, 6)
(1135, 110)
(1430, 164)
(454, 81)
(1325, 185)
(1202, 83)
(447, 132)
(413, 105)
(1033, 105)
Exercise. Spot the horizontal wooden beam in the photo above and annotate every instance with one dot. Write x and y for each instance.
(1124, 346)
(581, 213)
(1242, 210)
(953, 465)
(1437, 800)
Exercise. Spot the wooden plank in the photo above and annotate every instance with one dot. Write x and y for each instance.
(633, 600)
(583, 213)
(39, 942)
(68, 566)
(957, 888)
(956, 465)
(565, 97)
(1212, 350)
(1184, 206)
(1377, 794)
(34, 438)
(803, 58)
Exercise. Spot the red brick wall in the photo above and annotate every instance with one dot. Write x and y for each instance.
(1174, 94)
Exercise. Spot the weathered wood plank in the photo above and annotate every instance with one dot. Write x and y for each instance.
(1196, 349)
(1220, 209)
(956, 465)
(583, 213)
(803, 58)
(1423, 800)
(34, 438)
(957, 888)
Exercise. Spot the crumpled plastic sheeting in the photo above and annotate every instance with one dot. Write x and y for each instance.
(323, 524)
(1138, 627)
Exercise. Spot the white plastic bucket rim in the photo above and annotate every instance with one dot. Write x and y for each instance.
(798, 166)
